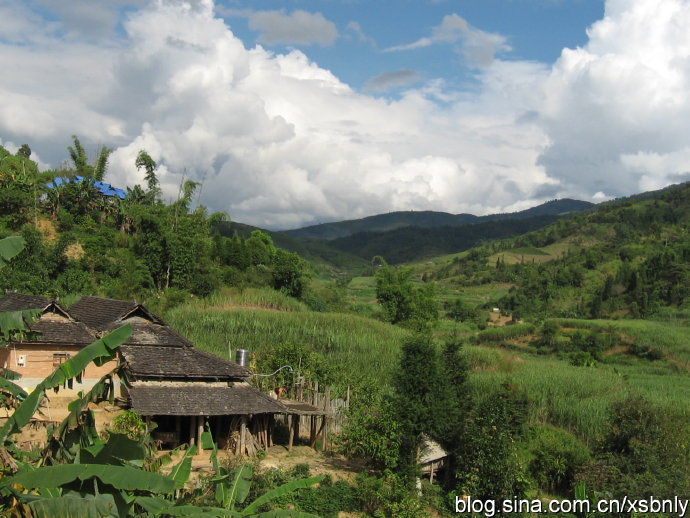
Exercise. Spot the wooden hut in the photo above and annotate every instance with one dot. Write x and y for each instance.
(182, 389)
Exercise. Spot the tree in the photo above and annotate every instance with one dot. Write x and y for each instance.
(404, 303)
(24, 151)
(288, 273)
(149, 164)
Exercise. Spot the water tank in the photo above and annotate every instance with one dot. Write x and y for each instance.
(242, 357)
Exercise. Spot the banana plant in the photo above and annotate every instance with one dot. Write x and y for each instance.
(232, 489)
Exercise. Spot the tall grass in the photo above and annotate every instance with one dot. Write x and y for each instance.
(578, 398)
(671, 338)
(265, 298)
(355, 346)
(498, 334)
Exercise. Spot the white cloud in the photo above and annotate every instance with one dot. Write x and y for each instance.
(298, 28)
(281, 142)
(615, 106)
(356, 29)
(477, 47)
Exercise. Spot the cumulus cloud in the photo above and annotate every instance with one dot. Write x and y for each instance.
(617, 110)
(391, 79)
(281, 142)
(297, 28)
(477, 47)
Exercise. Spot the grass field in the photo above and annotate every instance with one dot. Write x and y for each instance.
(574, 398)
(577, 398)
(356, 346)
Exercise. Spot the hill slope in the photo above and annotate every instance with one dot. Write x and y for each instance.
(426, 219)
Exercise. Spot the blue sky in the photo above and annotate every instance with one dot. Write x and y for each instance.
(301, 112)
(533, 29)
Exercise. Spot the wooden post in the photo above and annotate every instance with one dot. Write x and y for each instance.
(271, 417)
(326, 419)
(315, 399)
(199, 431)
(291, 424)
(243, 431)
(178, 429)
(297, 418)
(312, 431)
(192, 430)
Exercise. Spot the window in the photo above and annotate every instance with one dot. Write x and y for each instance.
(59, 358)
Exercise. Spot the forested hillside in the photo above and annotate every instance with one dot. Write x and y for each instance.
(629, 257)
(84, 237)
(426, 219)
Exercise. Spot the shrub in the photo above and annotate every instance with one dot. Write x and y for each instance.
(557, 456)
(130, 424)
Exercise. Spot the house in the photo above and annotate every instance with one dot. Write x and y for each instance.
(182, 389)
(55, 337)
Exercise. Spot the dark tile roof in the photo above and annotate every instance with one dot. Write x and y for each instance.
(178, 363)
(19, 301)
(56, 328)
(145, 332)
(99, 313)
(192, 398)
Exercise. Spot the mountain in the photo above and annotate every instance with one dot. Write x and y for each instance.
(426, 219)
(412, 243)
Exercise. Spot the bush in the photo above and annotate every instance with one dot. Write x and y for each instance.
(130, 424)
(556, 456)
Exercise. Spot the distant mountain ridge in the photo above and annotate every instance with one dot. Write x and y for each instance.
(426, 219)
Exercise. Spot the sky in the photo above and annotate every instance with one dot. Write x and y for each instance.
(299, 112)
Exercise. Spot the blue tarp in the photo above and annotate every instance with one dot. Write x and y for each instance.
(104, 188)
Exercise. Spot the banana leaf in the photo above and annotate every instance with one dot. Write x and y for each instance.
(180, 473)
(10, 247)
(99, 506)
(14, 322)
(120, 477)
(285, 514)
(238, 489)
(14, 389)
(120, 450)
(252, 508)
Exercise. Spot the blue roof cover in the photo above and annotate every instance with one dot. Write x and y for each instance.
(104, 188)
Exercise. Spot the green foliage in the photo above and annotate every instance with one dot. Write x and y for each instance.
(130, 424)
(490, 468)
(649, 449)
(404, 303)
(359, 346)
(498, 334)
(302, 360)
(372, 431)
(555, 458)
(288, 273)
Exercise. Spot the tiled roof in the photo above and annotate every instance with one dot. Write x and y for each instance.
(201, 399)
(19, 301)
(55, 328)
(145, 332)
(178, 363)
(98, 312)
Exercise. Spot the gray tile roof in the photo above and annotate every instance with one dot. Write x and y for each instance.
(150, 362)
(201, 399)
(19, 301)
(145, 332)
(55, 328)
(99, 313)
